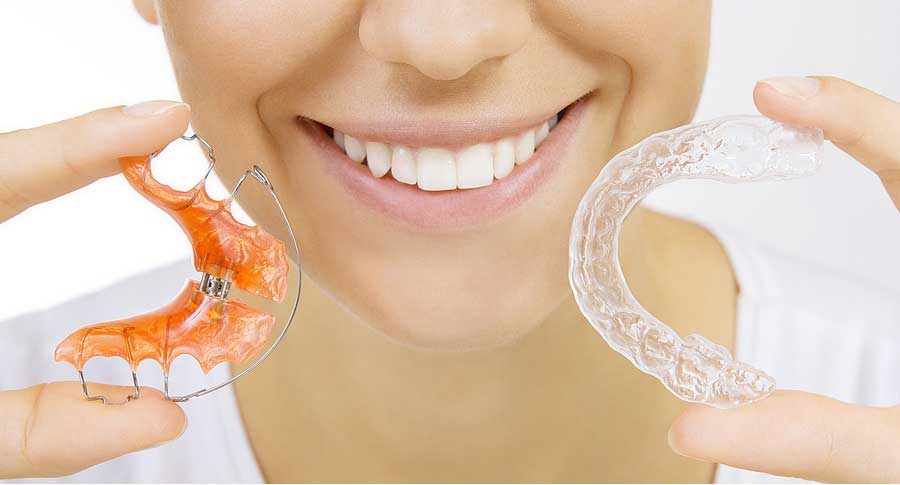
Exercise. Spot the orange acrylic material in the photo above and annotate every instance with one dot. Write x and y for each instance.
(209, 329)
(254, 258)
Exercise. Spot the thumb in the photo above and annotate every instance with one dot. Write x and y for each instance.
(795, 434)
(51, 430)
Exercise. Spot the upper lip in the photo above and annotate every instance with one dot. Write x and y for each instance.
(438, 133)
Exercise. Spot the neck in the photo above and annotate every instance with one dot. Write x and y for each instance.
(357, 393)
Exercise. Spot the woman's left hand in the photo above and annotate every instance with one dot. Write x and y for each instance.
(795, 433)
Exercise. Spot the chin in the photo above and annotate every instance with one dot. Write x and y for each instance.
(455, 325)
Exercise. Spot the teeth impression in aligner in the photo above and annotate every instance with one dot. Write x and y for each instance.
(729, 149)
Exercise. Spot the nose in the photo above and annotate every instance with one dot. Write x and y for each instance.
(444, 39)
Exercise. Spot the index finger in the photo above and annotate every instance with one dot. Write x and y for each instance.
(42, 163)
(864, 124)
(795, 434)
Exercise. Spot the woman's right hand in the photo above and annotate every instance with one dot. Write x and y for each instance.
(50, 429)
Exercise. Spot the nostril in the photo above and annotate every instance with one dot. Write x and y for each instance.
(447, 68)
(445, 42)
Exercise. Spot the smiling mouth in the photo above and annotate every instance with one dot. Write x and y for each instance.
(439, 168)
(442, 175)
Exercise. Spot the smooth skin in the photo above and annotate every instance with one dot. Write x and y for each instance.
(479, 406)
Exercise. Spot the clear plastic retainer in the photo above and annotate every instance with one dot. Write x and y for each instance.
(729, 149)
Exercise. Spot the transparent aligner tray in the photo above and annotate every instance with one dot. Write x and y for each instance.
(730, 149)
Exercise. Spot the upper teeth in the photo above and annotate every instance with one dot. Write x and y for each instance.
(442, 169)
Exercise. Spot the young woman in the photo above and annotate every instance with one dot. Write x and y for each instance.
(438, 339)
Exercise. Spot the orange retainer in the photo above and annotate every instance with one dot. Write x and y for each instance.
(211, 329)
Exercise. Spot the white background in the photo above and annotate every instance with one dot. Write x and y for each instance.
(60, 59)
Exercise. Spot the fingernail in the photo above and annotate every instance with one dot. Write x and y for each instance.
(152, 108)
(794, 86)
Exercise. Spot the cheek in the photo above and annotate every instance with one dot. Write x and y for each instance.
(664, 43)
(228, 52)
(641, 31)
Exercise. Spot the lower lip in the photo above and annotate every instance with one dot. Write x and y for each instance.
(451, 209)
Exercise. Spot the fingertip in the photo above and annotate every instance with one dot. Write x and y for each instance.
(843, 110)
(134, 130)
(153, 420)
(155, 108)
(157, 122)
(763, 95)
(787, 99)
(169, 420)
(178, 117)
(685, 431)
(170, 125)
